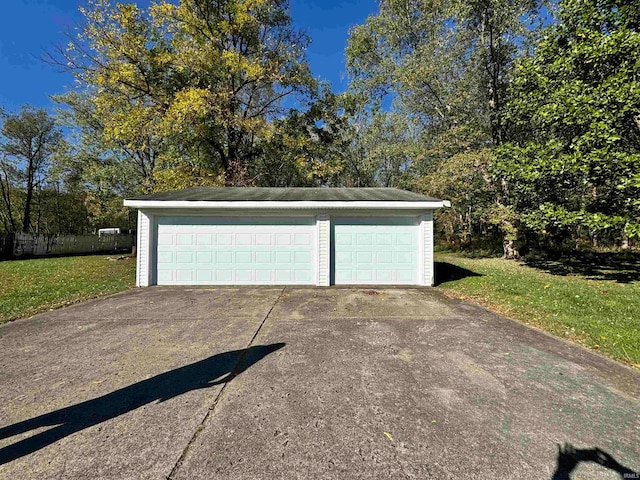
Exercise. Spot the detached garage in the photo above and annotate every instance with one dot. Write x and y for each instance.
(285, 236)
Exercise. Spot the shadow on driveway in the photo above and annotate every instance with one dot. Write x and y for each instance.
(215, 370)
(569, 458)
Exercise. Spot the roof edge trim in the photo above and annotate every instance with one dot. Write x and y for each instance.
(287, 205)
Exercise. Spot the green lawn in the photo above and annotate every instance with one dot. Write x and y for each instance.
(28, 287)
(601, 311)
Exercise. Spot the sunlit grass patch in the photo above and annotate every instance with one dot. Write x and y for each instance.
(31, 286)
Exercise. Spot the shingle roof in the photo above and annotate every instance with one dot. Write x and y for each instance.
(257, 194)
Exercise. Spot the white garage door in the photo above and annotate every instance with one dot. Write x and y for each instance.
(233, 251)
(375, 250)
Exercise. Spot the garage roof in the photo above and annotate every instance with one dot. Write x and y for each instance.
(268, 194)
(256, 198)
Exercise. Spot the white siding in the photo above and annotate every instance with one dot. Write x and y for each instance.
(426, 231)
(144, 250)
(324, 260)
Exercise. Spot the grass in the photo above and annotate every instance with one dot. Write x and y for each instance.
(599, 311)
(32, 286)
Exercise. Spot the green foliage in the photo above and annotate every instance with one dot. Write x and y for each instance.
(186, 94)
(573, 158)
(445, 67)
(445, 63)
(193, 83)
(182, 176)
(28, 141)
(463, 179)
(99, 177)
(306, 148)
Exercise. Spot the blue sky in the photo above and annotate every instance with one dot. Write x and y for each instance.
(28, 27)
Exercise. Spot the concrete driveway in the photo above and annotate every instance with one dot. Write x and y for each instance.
(257, 383)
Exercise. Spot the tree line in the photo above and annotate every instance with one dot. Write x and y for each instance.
(524, 113)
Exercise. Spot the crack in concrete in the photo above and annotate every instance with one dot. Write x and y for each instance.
(213, 406)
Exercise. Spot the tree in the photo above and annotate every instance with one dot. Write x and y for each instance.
(133, 160)
(443, 67)
(306, 147)
(385, 144)
(464, 179)
(573, 157)
(8, 180)
(29, 139)
(447, 63)
(195, 82)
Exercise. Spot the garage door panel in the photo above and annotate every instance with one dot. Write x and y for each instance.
(343, 238)
(342, 276)
(224, 239)
(283, 257)
(384, 276)
(303, 276)
(184, 239)
(384, 239)
(183, 275)
(165, 277)
(165, 257)
(375, 250)
(405, 239)
(302, 239)
(384, 257)
(204, 258)
(165, 239)
(405, 275)
(184, 257)
(264, 239)
(364, 258)
(244, 258)
(364, 239)
(244, 275)
(201, 250)
(405, 258)
(263, 257)
(244, 239)
(302, 257)
(264, 276)
(204, 239)
(204, 275)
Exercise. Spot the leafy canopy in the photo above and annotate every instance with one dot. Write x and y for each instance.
(189, 85)
(573, 160)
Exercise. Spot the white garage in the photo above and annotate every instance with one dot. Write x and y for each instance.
(285, 236)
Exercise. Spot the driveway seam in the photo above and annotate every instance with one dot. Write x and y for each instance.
(213, 406)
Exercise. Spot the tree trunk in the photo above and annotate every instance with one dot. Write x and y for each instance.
(624, 244)
(510, 249)
(5, 189)
(470, 232)
(26, 219)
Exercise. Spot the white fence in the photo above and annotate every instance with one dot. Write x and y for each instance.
(21, 245)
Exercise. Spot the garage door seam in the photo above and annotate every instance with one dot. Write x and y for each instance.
(213, 406)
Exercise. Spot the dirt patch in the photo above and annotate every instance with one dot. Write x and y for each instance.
(372, 292)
